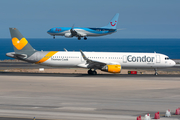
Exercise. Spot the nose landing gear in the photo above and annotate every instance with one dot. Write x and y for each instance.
(54, 37)
(155, 69)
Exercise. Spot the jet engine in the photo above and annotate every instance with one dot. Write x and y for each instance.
(112, 68)
(68, 35)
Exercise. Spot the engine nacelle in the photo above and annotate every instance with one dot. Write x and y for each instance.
(112, 68)
(68, 35)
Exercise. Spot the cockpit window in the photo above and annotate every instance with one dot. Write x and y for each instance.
(166, 58)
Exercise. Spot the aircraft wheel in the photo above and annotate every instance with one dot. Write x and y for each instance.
(90, 72)
(94, 72)
(53, 37)
(85, 38)
(79, 38)
(156, 73)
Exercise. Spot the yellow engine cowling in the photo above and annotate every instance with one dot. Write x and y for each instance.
(112, 68)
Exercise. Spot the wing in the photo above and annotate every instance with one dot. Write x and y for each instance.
(73, 32)
(77, 34)
(92, 63)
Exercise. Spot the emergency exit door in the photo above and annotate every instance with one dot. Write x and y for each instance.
(158, 60)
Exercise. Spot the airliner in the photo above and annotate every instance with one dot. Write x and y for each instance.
(85, 32)
(112, 62)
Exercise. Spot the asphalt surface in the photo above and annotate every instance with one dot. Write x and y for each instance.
(59, 96)
(85, 75)
(87, 98)
(9, 118)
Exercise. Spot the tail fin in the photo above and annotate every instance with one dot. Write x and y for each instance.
(20, 44)
(113, 23)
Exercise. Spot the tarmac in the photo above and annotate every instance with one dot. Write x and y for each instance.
(60, 96)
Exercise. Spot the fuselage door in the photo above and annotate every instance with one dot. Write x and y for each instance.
(124, 58)
(158, 60)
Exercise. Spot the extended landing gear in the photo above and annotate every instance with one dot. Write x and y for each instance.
(54, 37)
(155, 69)
(79, 38)
(90, 72)
(85, 38)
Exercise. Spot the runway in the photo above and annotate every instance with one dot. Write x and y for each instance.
(86, 75)
(85, 97)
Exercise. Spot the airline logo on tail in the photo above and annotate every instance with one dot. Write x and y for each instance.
(113, 24)
(19, 44)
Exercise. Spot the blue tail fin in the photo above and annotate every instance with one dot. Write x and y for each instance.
(113, 23)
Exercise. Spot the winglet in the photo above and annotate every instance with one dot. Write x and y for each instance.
(83, 55)
(65, 50)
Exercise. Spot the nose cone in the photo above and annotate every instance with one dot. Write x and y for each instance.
(50, 31)
(173, 63)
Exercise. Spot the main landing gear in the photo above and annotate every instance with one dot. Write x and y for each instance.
(85, 38)
(155, 69)
(90, 72)
(79, 38)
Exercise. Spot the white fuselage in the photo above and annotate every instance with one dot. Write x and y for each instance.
(125, 59)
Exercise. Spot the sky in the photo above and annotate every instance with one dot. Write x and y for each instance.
(137, 18)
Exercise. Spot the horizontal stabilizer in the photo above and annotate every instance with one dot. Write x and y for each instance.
(14, 55)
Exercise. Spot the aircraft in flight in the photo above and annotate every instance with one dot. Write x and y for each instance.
(85, 32)
(112, 62)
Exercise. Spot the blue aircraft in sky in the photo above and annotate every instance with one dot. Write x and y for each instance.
(78, 32)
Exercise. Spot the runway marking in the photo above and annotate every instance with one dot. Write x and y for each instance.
(35, 107)
(76, 108)
(62, 115)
